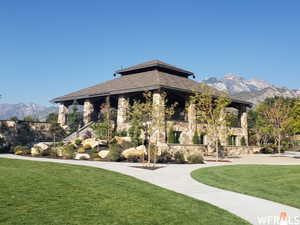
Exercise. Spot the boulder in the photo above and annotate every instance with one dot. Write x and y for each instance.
(60, 152)
(35, 151)
(42, 146)
(82, 156)
(138, 152)
(103, 154)
(93, 142)
(121, 140)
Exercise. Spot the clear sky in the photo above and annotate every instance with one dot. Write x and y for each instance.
(50, 48)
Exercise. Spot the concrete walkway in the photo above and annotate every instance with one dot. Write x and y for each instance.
(177, 178)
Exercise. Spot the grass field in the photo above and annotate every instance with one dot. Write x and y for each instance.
(277, 183)
(37, 193)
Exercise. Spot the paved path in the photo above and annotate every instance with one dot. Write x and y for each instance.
(177, 178)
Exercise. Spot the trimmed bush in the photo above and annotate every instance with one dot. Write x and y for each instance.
(243, 141)
(171, 136)
(179, 157)
(115, 153)
(78, 142)
(195, 158)
(196, 138)
(68, 151)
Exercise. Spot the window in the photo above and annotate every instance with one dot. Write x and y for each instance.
(202, 139)
(232, 140)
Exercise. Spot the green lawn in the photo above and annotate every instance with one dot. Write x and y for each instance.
(37, 193)
(277, 183)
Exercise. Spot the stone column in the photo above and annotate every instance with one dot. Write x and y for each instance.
(88, 110)
(62, 114)
(244, 122)
(123, 105)
(224, 130)
(158, 122)
(192, 119)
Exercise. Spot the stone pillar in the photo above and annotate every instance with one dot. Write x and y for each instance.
(62, 114)
(158, 122)
(243, 117)
(88, 110)
(192, 119)
(123, 105)
(224, 130)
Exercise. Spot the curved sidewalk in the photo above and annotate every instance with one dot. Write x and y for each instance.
(177, 178)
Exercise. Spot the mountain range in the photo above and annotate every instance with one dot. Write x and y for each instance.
(252, 90)
(21, 110)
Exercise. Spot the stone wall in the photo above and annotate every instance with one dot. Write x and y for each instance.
(240, 150)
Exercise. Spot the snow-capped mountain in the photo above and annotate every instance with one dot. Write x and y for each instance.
(253, 90)
(22, 110)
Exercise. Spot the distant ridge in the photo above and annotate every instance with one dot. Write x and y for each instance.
(22, 110)
(253, 90)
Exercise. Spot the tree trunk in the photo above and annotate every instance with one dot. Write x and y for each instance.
(217, 149)
(279, 143)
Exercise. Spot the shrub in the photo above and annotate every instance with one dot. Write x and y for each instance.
(125, 145)
(196, 139)
(133, 158)
(68, 151)
(115, 153)
(268, 149)
(164, 157)
(94, 156)
(87, 147)
(195, 158)
(94, 150)
(19, 153)
(45, 152)
(78, 142)
(122, 133)
(81, 150)
(135, 134)
(179, 157)
(171, 136)
(21, 148)
(53, 152)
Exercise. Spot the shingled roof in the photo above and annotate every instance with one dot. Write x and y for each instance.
(155, 64)
(140, 80)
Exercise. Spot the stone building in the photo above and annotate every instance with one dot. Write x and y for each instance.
(158, 77)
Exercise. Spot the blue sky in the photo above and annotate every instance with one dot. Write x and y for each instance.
(50, 48)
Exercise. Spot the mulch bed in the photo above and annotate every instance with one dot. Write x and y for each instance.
(148, 167)
(220, 160)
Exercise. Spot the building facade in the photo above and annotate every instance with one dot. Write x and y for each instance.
(157, 77)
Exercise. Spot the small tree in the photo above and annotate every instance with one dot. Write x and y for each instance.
(277, 113)
(210, 109)
(142, 116)
(52, 118)
(57, 132)
(74, 119)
